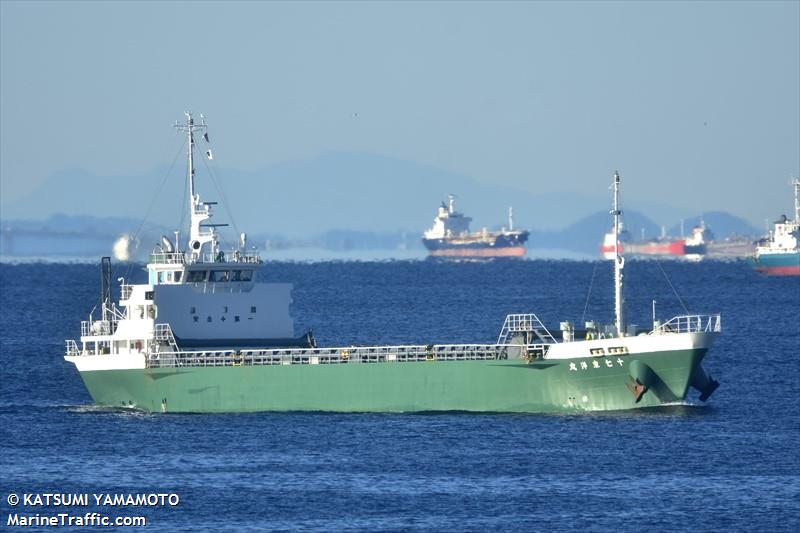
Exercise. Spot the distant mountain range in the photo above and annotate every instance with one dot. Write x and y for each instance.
(351, 191)
(340, 201)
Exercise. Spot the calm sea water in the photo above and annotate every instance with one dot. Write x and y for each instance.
(732, 464)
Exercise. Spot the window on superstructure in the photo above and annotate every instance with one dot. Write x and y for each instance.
(247, 275)
(192, 310)
(196, 276)
(148, 295)
(253, 309)
(219, 275)
(177, 276)
(236, 275)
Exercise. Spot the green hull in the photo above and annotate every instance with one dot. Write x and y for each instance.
(481, 385)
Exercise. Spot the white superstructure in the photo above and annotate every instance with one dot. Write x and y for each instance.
(199, 296)
(448, 222)
(783, 239)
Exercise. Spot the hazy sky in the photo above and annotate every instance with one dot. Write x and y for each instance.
(698, 104)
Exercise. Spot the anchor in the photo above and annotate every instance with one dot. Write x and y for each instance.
(637, 388)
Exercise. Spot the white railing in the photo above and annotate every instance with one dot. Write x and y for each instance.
(521, 323)
(91, 328)
(168, 258)
(115, 315)
(163, 333)
(690, 324)
(125, 291)
(72, 347)
(347, 355)
(248, 257)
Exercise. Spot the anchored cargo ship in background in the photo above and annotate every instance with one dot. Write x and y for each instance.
(692, 247)
(203, 336)
(779, 253)
(450, 236)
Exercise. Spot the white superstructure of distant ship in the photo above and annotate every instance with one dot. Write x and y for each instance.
(450, 236)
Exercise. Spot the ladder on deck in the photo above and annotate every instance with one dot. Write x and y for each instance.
(163, 334)
(524, 323)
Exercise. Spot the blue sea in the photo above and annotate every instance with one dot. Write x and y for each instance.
(731, 464)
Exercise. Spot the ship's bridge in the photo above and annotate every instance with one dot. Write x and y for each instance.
(448, 222)
(171, 268)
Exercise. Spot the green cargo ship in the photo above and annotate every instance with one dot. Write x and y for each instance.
(203, 336)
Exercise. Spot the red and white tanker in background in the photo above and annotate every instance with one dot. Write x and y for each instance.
(691, 247)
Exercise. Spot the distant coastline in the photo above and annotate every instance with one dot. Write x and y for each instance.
(82, 236)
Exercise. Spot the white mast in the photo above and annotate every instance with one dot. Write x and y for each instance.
(619, 263)
(450, 203)
(190, 132)
(198, 211)
(510, 219)
(796, 184)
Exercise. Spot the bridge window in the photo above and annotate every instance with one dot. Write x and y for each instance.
(236, 318)
(196, 276)
(177, 276)
(219, 275)
(247, 275)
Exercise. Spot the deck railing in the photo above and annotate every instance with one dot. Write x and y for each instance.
(168, 258)
(248, 257)
(91, 328)
(125, 291)
(180, 258)
(690, 324)
(347, 355)
(524, 323)
(71, 347)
